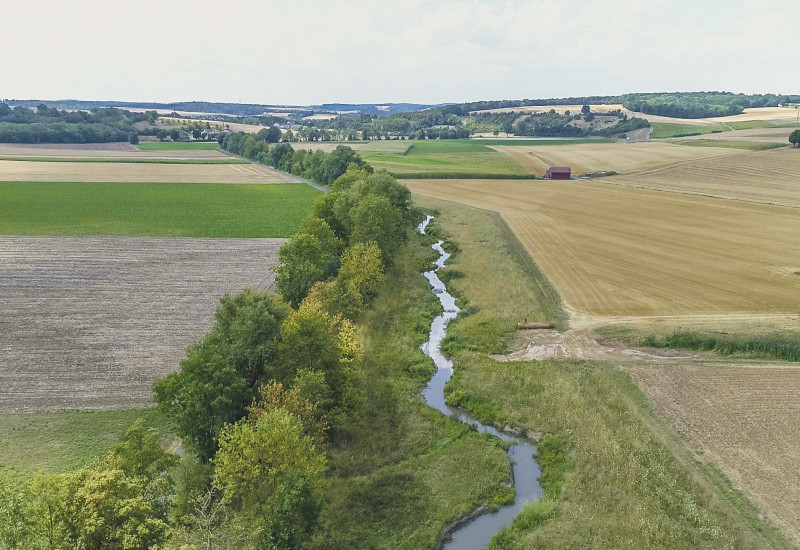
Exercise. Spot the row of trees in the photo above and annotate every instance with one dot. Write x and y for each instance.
(700, 104)
(257, 403)
(46, 125)
(318, 166)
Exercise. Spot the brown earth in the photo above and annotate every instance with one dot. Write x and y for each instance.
(92, 322)
(14, 170)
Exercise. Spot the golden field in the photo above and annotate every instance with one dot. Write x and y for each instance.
(771, 177)
(100, 150)
(617, 251)
(14, 170)
(617, 157)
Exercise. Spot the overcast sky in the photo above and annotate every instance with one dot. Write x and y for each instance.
(323, 51)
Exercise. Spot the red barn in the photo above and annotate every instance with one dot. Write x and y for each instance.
(558, 173)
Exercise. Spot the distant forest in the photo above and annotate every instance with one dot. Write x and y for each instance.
(48, 125)
(700, 104)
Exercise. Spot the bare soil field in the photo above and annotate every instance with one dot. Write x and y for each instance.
(771, 177)
(617, 251)
(13, 170)
(743, 418)
(99, 150)
(617, 157)
(92, 322)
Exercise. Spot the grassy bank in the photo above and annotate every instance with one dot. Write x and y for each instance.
(731, 144)
(155, 209)
(496, 281)
(64, 441)
(402, 471)
(769, 346)
(615, 474)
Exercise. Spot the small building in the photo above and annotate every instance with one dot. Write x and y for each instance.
(558, 173)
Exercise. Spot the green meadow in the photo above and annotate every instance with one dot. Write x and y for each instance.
(155, 209)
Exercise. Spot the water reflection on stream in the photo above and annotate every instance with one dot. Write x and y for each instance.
(476, 534)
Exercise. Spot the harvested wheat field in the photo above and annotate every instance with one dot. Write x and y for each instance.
(745, 419)
(585, 158)
(757, 135)
(617, 251)
(92, 322)
(13, 170)
(99, 150)
(771, 177)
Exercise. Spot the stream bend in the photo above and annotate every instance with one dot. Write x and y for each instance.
(477, 533)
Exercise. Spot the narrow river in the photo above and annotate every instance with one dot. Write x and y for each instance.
(476, 534)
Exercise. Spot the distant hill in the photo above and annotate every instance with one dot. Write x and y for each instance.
(233, 109)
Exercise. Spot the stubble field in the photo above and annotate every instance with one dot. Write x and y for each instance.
(112, 150)
(745, 419)
(616, 251)
(596, 157)
(92, 322)
(771, 177)
(13, 170)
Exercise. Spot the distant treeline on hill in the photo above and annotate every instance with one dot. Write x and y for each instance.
(700, 104)
(47, 125)
(318, 166)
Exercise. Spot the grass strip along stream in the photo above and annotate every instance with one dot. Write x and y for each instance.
(480, 527)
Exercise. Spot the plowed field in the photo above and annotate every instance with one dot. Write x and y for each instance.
(611, 250)
(92, 322)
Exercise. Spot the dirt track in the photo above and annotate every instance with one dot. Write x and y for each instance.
(92, 322)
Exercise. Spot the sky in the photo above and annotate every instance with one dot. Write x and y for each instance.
(306, 52)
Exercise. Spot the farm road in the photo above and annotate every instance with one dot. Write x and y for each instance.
(92, 322)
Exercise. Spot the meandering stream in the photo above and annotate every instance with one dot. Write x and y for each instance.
(476, 534)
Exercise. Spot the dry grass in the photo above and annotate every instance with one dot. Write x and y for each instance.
(12, 170)
(771, 177)
(215, 124)
(617, 157)
(92, 322)
(99, 150)
(743, 418)
(616, 251)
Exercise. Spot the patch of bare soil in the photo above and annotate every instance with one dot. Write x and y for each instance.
(92, 322)
(580, 344)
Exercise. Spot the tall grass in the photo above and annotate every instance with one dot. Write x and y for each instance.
(771, 346)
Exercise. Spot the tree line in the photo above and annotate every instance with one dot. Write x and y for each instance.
(317, 166)
(257, 403)
(48, 125)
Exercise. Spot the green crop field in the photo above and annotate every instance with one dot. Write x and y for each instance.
(445, 159)
(669, 129)
(178, 146)
(65, 441)
(154, 209)
(750, 124)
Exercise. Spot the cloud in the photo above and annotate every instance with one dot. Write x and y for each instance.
(357, 50)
